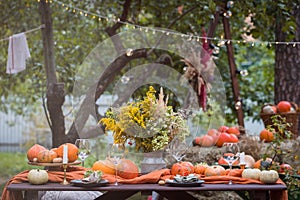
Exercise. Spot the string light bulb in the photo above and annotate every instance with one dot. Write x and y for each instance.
(238, 105)
(125, 79)
(227, 13)
(129, 52)
(229, 4)
(242, 72)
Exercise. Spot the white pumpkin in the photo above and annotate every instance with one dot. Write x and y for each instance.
(268, 109)
(270, 176)
(37, 176)
(250, 161)
(251, 173)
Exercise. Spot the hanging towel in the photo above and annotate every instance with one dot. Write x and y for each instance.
(18, 52)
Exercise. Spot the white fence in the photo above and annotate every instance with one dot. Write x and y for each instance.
(17, 133)
(12, 128)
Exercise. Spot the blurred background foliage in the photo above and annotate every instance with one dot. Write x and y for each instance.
(75, 35)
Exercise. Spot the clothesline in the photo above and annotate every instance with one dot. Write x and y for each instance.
(29, 31)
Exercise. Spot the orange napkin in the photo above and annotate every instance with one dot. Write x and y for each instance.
(73, 172)
(152, 177)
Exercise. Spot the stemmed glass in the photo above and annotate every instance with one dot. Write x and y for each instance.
(116, 153)
(230, 155)
(84, 149)
(178, 149)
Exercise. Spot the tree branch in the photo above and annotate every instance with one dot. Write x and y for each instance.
(87, 106)
(171, 24)
(111, 31)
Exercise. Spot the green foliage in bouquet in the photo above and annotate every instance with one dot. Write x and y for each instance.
(149, 123)
(275, 151)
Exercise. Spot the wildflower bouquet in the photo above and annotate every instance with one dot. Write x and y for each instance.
(149, 124)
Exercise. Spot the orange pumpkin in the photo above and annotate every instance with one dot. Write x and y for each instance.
(266, 135)
(215, 170)
(127, 169)
(200, 168)
(207, 141)
(223, 137)
(46, 156)
(33, 151)
(234, 130)
(55, 150)
(233, 138)
(182, 168)
(106, 166)
(214, 133)
(284, 106)
(72, 152)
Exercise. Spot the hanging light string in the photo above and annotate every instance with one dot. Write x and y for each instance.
(29, 31)
(220, 41)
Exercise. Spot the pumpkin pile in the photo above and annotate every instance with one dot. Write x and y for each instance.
(185, 168)
(218, 136)
(40, 154)
(265, 176)
(281, 107)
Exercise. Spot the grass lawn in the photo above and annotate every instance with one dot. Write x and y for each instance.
(10, 165)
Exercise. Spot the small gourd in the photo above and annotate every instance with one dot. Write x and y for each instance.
(37, 176)
(270, 176)
(57, 160)
(251, 173)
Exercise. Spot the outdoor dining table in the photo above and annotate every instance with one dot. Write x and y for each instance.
(124, 191)
(19, 188)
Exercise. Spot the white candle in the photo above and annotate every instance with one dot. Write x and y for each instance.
(242, 158)
(65, 154)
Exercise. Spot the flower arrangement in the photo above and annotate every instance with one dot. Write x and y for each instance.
(149, 123)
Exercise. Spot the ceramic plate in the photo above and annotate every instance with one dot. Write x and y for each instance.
(177, 184)
(81, 183)
(233, 166)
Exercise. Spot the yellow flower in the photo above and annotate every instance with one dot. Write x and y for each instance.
(150, 123)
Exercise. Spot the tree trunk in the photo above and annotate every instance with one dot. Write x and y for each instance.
(287, 64)
(55, 91)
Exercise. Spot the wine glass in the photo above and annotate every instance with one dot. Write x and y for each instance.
(116, 153)
(230, 154)
(84, 149)
(177, 149)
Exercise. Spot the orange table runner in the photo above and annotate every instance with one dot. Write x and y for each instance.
(76, 172)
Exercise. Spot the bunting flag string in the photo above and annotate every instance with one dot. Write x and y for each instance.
(220, 41)
(28, 31)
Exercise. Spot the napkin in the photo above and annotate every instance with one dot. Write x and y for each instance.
(152, 177)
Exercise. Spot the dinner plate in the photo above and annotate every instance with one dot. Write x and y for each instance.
(80, 183)
(189, 184)
(233, 166)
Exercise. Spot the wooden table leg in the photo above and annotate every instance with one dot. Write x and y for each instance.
(116, 195)
(32, 195)
(258, 195)
(174, 195)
